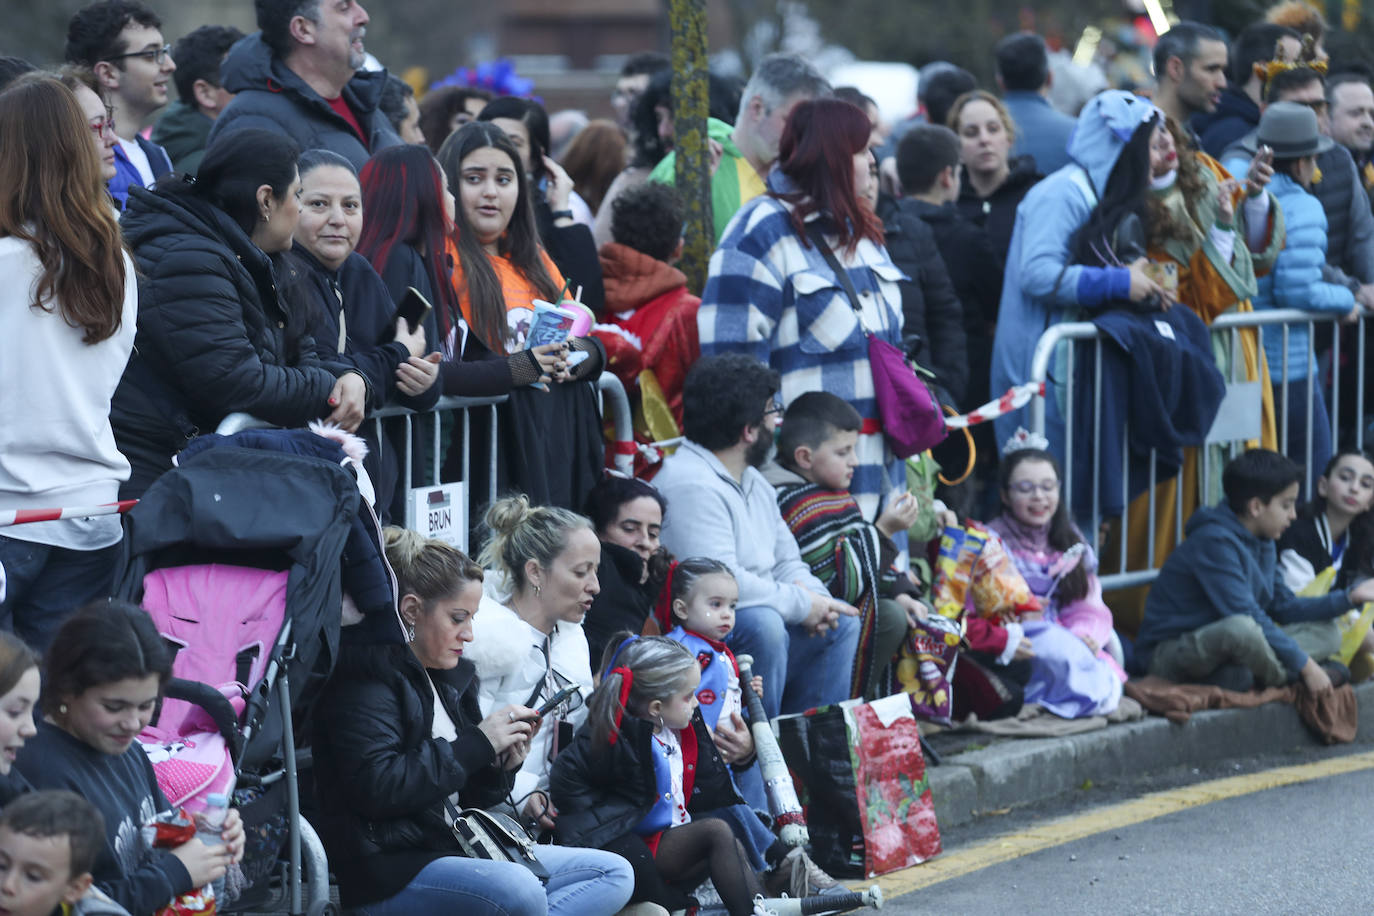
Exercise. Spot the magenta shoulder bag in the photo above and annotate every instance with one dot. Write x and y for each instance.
(910, 414)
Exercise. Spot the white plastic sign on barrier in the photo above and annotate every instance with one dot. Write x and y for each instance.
(440, 512)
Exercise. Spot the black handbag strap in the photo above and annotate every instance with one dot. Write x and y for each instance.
(813, 229)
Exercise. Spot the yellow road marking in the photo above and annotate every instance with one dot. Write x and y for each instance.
(1113, 817)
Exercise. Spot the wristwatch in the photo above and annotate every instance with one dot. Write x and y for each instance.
(561, 214)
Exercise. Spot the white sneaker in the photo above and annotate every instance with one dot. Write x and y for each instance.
(797, 876)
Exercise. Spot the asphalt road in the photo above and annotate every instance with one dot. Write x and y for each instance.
(1300, 848)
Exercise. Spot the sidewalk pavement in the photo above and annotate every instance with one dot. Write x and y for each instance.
(1009, 772)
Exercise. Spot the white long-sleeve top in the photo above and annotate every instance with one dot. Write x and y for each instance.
(56, 445)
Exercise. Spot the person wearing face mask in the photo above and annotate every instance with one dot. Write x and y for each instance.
(627, 515)
(104, 675)
(529, 642)
(352, 318)
(214, 334)
(400, 738)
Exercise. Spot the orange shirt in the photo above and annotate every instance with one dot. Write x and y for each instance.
(518, 291)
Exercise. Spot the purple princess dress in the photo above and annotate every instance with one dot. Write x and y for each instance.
(1067, 677)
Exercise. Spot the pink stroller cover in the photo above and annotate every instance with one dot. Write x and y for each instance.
(215, 614)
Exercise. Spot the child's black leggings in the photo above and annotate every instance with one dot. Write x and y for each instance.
(683, 850)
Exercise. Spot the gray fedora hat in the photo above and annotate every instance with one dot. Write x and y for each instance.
(1290, 130)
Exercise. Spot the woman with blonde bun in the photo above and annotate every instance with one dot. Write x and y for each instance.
(542, 577)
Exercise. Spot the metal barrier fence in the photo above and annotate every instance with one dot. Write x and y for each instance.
(454, 530)
(1238, 420)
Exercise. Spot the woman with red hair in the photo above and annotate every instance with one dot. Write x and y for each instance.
(772, 293)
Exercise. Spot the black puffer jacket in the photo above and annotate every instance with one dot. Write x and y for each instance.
(272, 97)
(381, 776)
(601, 793)
(930, 307)
(212, 336)
(623, 603)
(997, 214)
(975, 270)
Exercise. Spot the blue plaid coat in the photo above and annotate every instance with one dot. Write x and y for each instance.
(771, 294)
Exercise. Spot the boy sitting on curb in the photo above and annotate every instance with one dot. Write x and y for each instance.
(853, 557)
(1219, 612)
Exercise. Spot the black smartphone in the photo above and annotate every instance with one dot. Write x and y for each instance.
(414, 308)
(557, 700)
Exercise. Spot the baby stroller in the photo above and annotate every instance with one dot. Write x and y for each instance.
(237, 554)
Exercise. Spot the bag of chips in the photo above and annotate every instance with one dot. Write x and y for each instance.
(168, 830)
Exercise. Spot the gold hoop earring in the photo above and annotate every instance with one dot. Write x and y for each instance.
(536, 591)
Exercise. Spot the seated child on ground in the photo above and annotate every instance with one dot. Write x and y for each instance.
(1072, 674)
(853, 557)
(646, 296)
(1220, 613)
(48, 845)
(1336, 531)
(643, 778)
(701, 595)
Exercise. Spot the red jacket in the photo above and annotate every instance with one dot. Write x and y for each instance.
(648, 299)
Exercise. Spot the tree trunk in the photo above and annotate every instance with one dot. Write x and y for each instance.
(690, 107)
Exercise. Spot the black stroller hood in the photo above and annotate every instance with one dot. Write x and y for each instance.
(252, 507)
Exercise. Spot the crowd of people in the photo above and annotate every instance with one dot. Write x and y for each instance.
(254, 246)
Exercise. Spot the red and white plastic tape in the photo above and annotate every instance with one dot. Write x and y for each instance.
(1014, 399)
(24, 516)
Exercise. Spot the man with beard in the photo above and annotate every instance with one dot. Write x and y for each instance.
(299, 75)
(720, 506)
(1190, 70)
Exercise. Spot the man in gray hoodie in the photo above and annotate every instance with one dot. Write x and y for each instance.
(719, 505)
(1219, 613)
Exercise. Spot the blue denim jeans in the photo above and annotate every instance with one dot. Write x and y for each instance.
(582, 882)
(799, 671)
(44, 585)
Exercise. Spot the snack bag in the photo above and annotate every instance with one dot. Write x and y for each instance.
(999, 591)
(925, 667)
(165, 831)
(959, 550)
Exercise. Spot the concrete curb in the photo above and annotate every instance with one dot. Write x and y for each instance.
(1014, 772)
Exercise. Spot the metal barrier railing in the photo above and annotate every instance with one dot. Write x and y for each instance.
(612, 389)
(1238, 420)
(236, 422)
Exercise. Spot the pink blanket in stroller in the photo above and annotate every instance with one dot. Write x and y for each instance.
(224, 621)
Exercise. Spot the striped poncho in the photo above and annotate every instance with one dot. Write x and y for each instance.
(846, 554)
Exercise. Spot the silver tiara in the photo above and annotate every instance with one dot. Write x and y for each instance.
(1023, 439)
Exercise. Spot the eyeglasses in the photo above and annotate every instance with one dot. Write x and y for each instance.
(775, 407)
(151, 55)
(103, 126)
(1027, 487)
